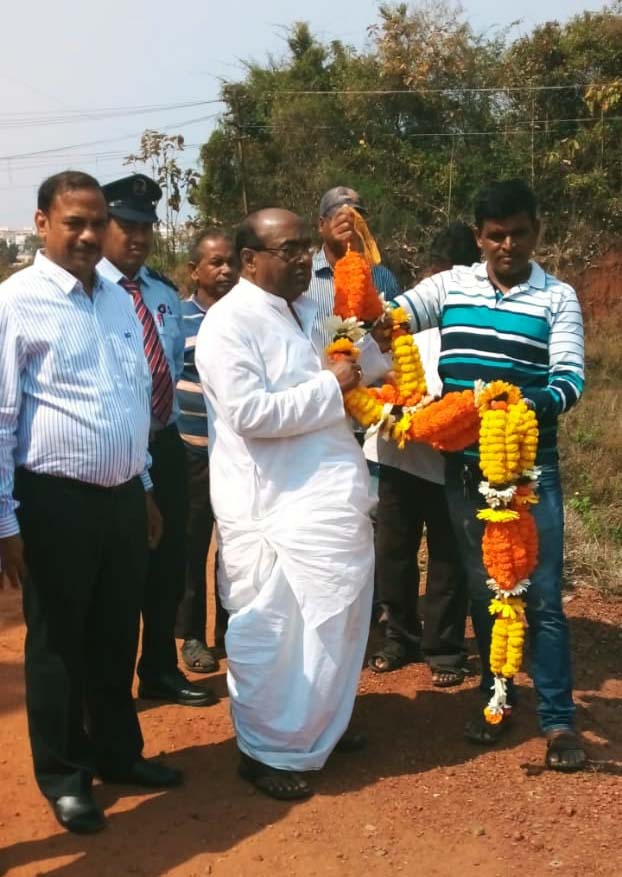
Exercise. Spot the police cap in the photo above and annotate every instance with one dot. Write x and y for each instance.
(133, 198)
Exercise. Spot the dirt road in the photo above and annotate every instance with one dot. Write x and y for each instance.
(418, 801)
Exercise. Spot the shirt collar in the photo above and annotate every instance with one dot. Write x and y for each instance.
(108, 270)
(197, 303)
(111, 272)
(66, 281)
(320, 262)
(536, 279)
(305, 308)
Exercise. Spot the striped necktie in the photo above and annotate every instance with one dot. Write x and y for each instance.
(161, 381)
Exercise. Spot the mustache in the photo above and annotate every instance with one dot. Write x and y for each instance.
(86, 248)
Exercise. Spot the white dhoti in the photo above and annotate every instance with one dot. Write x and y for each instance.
(293, 686)
(290, 492)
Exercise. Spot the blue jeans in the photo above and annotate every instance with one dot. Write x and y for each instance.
(548, 628)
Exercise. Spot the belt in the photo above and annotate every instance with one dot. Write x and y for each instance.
(84, 486)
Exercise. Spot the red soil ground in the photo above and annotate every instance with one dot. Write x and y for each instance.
(600, 286)
(418, 801)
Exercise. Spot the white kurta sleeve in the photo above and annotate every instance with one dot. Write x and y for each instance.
(372, 360)
(232, 370)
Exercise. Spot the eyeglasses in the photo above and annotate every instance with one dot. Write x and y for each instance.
(288, 252)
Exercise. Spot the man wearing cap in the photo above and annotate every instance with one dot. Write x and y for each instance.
(127, 244)
(336, 228)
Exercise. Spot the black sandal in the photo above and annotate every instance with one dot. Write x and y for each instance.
(558, 745)
(284, 785)
(445, 677)
(391, 656)
(198, 657)
(483, 733)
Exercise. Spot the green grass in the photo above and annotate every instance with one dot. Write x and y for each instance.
(591, 456)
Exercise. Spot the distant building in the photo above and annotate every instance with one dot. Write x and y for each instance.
(24, 239)
(17, 236)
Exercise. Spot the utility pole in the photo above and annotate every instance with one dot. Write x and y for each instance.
(451, 175)
(240, 148)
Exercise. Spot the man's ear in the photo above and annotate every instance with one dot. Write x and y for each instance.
(41, 224)
(192, 268)
(478, 235)
(247, 260)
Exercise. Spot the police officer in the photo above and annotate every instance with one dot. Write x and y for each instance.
(127, 243)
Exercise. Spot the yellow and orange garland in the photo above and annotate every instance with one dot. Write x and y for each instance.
(494, 414)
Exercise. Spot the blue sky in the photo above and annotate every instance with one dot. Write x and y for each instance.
(76, 56)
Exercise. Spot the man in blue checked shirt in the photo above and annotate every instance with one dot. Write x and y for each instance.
(336, 228)
(127, 244)
(74, 524)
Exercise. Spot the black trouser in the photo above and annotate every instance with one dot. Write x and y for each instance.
(192, 613)
(405, 504)
(165, 574)
(86, 553)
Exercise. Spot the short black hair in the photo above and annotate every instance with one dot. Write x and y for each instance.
(213, 233)
(505, 198)
(455, 245)
(66, 181)
(247, 236)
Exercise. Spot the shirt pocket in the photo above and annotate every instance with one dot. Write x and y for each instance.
(129, 358)
(167, 333)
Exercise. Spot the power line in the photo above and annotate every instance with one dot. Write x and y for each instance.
(492, 89)
(60, 149)
(527, 123)
(23, 120)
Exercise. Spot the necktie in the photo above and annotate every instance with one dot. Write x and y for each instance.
(161, 381)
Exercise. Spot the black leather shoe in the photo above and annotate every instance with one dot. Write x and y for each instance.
(78, 813)
(175, 688)
(152, 774)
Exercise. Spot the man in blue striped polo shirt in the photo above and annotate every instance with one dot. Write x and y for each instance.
(507, 319)
(214, 271)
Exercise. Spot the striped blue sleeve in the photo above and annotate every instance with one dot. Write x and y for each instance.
(424, 303)
(566, 359)
(180, 340)
(11, 363)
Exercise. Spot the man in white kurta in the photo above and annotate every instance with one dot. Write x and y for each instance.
(290, 494)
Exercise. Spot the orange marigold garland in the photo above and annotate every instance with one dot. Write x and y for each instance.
(508, 444)
(496, 415)
(449, 424)
(355, 293)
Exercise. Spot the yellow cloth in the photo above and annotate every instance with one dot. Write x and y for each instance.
(370, 248)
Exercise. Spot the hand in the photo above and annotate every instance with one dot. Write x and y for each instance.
(341, 230)
(12, 560)
(347, 372)
(382, 331)
(154, 521)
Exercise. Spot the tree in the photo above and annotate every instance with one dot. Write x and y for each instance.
(421, 118)
(8, 252)
(159, 152)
